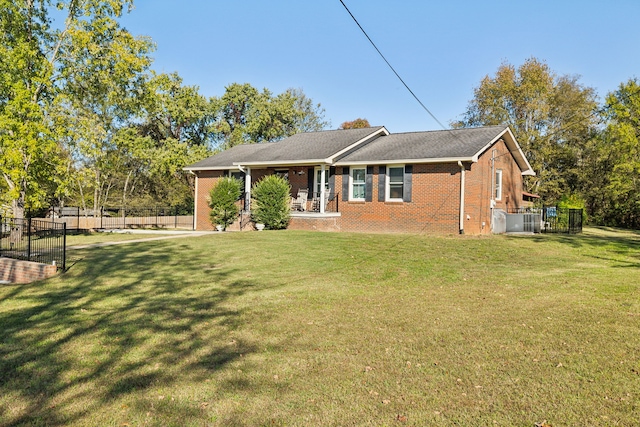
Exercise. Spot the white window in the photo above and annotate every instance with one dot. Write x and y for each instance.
(498, 184)
(358, 183)
(394, 190)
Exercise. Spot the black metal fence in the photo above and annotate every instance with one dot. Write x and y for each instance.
(562, 220)
(34, 240)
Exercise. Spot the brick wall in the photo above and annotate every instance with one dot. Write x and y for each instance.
(479, 187)
(16, 271)
(434, 205)
(315, 224)
(435, 198)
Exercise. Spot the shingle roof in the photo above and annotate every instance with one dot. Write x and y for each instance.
(367, 146)
(301, 147)
(444, 144)
(226, 158)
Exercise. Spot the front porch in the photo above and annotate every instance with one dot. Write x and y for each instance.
(306, 213)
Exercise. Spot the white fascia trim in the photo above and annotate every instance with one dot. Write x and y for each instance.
(487, 146)
(409, 161)
(382, 130)
(211, 168)
(529, 170)
(514, 148)
(281, 163)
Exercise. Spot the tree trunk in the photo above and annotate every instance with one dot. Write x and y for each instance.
(18, 213)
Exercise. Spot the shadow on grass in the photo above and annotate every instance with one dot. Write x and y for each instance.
(123, 320)
(621, 247)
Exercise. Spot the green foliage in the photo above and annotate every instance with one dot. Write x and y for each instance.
(28, 152)
(270, 205)
(64, 87)
(551, 116)
(571, 201)
(613, 166)
(245, 115)
(309, 116)
(222, 201)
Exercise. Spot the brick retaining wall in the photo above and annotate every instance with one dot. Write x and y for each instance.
(17, 271)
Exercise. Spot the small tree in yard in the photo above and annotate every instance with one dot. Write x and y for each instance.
(271, 202)
(222, 201)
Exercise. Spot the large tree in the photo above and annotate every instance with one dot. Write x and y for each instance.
(27, 147)
(176, 128)
(551, 116)
(244, 115)
(55, 76)
(103, 74)
(612, 167)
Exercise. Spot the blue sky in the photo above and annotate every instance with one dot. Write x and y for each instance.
(441, 49)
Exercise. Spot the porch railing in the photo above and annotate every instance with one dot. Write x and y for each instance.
(331, 203)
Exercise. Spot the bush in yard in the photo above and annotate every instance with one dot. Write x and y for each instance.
(222, 201)
(271, 202)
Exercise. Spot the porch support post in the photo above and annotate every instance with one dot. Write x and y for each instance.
(462, 171)
(247, 190)
(323, 195)
(195, 207)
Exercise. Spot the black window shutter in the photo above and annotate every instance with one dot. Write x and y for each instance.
(368, 187)
(332, 180)
(408, 171)
(310, 181)
(382, 175)
(345, 184)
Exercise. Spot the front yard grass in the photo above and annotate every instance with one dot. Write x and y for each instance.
(299, 328)
(108, 236)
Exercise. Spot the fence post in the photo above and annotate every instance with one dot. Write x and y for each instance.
(175, 217)
(156, 216)
(28, 239)
(64, 246)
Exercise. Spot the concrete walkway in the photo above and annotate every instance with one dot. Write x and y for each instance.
(160, 235)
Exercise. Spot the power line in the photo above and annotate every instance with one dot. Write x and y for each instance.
(391, 67)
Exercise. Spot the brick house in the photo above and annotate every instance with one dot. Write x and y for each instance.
(450, 181)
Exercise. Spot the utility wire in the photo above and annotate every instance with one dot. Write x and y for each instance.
(392, 69)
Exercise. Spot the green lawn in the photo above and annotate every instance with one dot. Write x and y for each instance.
(107, 236)
(332, 329)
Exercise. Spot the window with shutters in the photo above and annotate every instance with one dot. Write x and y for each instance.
(358, 184)
(394, 191)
